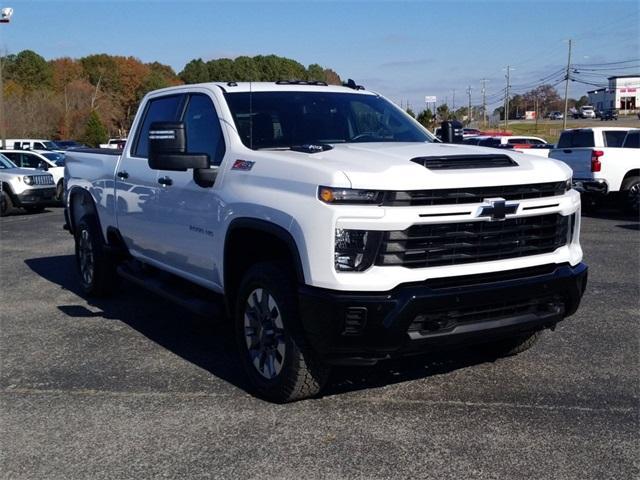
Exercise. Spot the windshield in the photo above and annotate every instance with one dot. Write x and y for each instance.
(56, 158)
(286, 119)
(50, 145)
(6, 163)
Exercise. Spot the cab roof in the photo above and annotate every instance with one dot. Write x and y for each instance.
(280, 86)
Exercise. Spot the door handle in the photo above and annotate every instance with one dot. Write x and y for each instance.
(165, 181)
(123, 175)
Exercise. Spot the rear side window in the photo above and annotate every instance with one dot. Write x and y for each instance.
(633, 140)
(204, 134)
(614, 138)
(576, 139)
(163, 109)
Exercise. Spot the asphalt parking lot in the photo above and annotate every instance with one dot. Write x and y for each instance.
(135, 388)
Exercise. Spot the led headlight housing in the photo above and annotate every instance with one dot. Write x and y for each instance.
(355, 250)
(349, 196)
(28, 180)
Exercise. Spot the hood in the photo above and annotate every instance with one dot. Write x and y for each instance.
(24, 171)
(388, 166)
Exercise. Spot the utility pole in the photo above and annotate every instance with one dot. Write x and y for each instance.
(484, 103)
(469, 117)
(506, 99)
(454, 101)
(5, 17)
(566, 90)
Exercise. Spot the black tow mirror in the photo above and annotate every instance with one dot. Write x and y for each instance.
(168, 148)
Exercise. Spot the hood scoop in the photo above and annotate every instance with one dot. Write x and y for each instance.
(455, 162)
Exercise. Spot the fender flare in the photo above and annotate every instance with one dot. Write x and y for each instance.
(272, 229)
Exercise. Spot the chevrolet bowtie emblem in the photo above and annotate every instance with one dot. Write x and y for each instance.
(497, 209)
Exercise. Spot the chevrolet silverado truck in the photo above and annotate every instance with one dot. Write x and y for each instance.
(328, 226)
(605, 162)
(24, 188)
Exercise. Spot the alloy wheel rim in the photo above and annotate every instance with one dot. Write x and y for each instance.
(264, 333)
(85, 254)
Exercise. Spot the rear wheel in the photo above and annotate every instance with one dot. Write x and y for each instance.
(6, 205)
(95, 266)
(631, 194)
(279, 363)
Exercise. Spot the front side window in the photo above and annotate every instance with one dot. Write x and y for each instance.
(31, 161)
(287, 119)
(163, 109)
(203, 131)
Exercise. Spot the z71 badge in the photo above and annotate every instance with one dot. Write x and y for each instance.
(245, 165)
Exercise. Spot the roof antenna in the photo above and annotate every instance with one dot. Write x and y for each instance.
(250, 116)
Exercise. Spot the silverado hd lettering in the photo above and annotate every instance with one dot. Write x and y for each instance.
(337, 230)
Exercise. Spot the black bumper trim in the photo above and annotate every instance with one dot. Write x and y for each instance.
(391, 316)
(36, 196)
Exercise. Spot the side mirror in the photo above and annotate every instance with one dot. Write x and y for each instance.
(168, 148)
(42, 166)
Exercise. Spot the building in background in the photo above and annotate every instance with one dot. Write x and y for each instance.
(623, 93)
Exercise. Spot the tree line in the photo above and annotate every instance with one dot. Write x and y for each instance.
(95, 97)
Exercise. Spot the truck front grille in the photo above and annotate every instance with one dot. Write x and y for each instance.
(432, 245)
(455, 196)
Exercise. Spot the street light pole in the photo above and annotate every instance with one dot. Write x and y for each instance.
(5, 17)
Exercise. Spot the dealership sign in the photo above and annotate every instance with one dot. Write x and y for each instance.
(430, 99)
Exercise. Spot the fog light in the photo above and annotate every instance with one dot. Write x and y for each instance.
(355, 250)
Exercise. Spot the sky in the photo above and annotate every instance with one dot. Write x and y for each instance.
(403, 50)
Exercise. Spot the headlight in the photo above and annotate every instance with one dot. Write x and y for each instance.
(355, 250)
(569, 184)
(342, 196)
(28, 180)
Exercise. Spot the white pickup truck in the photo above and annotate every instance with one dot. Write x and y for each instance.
(328, 226)
(605, 161)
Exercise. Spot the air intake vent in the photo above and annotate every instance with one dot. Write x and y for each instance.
(454, 162)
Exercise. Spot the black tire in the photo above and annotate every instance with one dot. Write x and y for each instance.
(287, 368)
(511, 346)
(630, 193)
(6, 205)
(96, 268)
(59, 192)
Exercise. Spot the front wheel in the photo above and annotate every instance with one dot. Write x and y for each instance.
(6, 206)
(511, 346)
(59, 192)
(278, 361)
(95, 266)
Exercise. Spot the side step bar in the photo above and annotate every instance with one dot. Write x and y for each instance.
(191, 297)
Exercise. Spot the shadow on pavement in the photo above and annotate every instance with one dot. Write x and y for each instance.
(210, 344)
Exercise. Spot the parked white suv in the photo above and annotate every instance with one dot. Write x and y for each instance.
(39, 161)
(20, 187)
(329, 226)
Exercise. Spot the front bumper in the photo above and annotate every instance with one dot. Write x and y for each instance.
(35, 197)
(359, 327)
(590, 185)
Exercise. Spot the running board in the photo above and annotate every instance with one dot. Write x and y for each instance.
(192, 297)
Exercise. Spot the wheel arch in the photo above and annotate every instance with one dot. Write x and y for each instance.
(631, 173)
(275, 243)
(81, 203)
